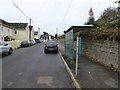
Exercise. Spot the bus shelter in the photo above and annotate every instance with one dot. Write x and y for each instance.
(70, 37)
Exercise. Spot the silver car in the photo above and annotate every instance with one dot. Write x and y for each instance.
(33, 42)
(6, 49)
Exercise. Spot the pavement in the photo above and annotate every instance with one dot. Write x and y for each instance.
(30, 67)
(93, 75)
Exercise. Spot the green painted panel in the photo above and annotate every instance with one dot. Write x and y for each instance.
(69, 45)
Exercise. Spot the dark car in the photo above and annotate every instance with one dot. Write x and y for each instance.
(37, 40)
(26, 44)
(51, 46)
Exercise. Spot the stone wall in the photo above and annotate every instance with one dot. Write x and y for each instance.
(104, 52)
(61, 42)
(61, 46)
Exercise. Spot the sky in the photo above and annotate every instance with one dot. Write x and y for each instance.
(48, 15)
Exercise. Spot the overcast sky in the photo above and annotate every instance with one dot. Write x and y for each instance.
(48, 14)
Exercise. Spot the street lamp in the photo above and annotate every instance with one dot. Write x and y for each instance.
(38, 33)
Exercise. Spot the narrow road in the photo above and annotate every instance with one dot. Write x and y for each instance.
(30, 68)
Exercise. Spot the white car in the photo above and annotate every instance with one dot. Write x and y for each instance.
(33, 42)
(6, 48)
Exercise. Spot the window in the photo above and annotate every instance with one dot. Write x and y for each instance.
(15, 31)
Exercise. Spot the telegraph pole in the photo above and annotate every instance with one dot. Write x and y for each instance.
(56, 30)
(56, 33)
(30, 28)
(38, 33)
(30, 21)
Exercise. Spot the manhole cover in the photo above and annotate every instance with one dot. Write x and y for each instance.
(47, 80)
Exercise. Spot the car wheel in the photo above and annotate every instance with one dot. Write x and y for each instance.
(56, 51)
(10, 51)
(29, 45)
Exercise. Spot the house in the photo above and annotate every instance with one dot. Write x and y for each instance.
(6, 30)
(15, 31)
(36, 35)
(45, 37)
(51, 37)
(22, 31)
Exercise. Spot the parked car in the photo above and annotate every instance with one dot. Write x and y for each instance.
(26, 43)
(33, 42)
(51, 46)
(6, 49)
(37, 40)
(41, 40)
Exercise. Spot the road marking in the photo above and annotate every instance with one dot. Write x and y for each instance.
(20, 73)
(9, 84)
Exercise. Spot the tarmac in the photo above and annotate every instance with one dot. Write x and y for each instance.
(93, 75)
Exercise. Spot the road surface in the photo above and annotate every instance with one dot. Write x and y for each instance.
(30, 68)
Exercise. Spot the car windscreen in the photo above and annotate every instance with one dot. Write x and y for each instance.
(23, 42)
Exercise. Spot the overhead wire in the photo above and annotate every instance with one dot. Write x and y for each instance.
(20, 9)
(32, 20)
(23, 12)
(66, 13)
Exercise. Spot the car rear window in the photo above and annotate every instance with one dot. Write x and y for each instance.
(51, 43)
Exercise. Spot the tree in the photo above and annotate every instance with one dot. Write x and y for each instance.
(109, 14)
(91, 19)
(7, 38)
(45, 33)
(110, 18)
(61, 36)
(56, 36)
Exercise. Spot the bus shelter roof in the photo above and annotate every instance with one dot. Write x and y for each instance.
(79, 28)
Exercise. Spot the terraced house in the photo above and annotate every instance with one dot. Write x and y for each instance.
(15, 31)
(6, 31)
(36, 35)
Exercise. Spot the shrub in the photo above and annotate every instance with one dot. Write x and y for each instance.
(7, 38)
